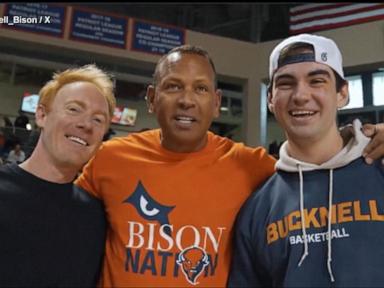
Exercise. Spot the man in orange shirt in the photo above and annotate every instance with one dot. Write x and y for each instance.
(172, 194)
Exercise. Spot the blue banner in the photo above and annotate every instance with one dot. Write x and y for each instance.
(156, 38)
(98, 28)
(35, 17)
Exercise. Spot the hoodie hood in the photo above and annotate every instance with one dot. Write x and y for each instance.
(349, 153)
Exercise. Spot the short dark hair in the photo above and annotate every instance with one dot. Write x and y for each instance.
(184, 49)
(297, 48)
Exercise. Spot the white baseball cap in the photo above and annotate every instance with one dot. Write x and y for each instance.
(326, 52)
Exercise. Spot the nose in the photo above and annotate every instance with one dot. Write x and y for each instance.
(301, 94)
(85, 123)
(186, 100)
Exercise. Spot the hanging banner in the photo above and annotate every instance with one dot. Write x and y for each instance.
(99, 28)
(155, 38)
(39, 18)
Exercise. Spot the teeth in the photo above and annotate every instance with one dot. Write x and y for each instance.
(302, 113)
(184, 119)
(78, 140)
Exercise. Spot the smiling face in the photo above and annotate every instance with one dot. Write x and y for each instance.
(185, 101)
(304, 101)
(72, 128)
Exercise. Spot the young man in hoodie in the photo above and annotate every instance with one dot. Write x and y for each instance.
(317, 221)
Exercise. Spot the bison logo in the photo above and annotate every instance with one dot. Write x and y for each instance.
(192, 261)
(148, 207)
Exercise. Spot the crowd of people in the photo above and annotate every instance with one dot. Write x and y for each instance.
(158, 208)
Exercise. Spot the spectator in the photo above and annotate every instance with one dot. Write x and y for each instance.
(16, 155)
(21, 121)
(7, 122)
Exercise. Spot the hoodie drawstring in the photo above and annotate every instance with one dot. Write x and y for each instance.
(305, 254)
(329, 260)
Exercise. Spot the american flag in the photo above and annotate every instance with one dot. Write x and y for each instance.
(322, 16)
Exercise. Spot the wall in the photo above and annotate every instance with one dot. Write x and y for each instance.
(236, 61)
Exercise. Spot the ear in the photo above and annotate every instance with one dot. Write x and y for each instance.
(150, 98)
(217, 103)
(40, 115)
(343, 96)
(270, 103)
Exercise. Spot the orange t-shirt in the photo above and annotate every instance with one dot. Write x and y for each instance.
(170, 214)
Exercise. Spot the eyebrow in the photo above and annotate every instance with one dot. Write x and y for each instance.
(310, 74)
(319, 72)
(285, 75)
(180, 80)
(84, 107)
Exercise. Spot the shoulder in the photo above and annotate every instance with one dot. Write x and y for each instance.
(379, 165)
(132, 141)
(12, 177)
(82, 197)
(239, 147)
(263, 197)
(118, 149)
(359, 166)
(261, 205)
(372, 170)
(136, 138)
(254, 160)
(9, 170)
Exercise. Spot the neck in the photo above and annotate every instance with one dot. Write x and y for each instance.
(316, 151)
(181, 147)
(40, 165)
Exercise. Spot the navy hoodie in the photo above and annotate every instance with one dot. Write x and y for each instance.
(275, 247)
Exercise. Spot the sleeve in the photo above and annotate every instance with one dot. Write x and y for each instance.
(246, 269)
(260, 165)
(88, 178)
(267, 164)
